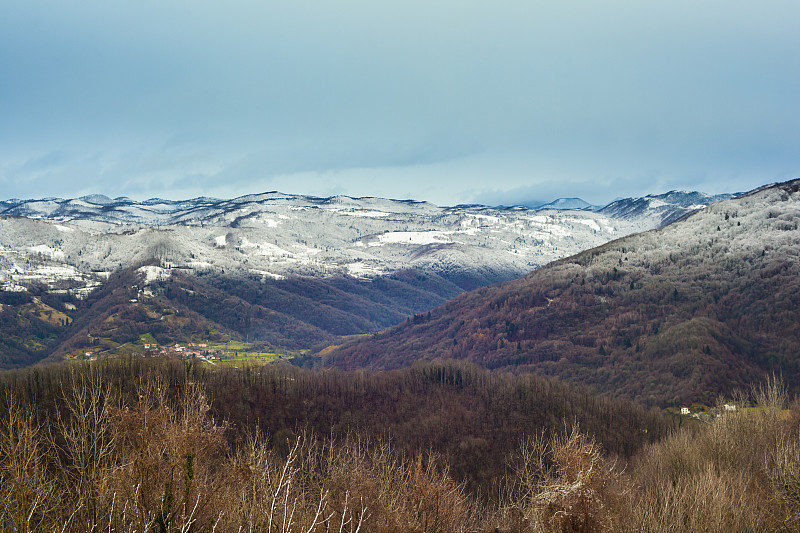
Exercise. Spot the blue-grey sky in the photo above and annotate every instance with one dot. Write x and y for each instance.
(499, 102)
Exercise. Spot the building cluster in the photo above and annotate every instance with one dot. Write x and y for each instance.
(709, 414)
(190, 351)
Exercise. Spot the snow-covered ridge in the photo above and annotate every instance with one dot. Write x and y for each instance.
(662, 209)
(71, 244)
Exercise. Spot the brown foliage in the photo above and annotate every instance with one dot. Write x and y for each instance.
(149, 456)
(566, 485)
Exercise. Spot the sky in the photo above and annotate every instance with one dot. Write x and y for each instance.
(503, 102)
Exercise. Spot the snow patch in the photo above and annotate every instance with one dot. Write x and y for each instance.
(270, 222)
(154, 273)
(365, 214)
(56, 255)
(362, 270)
(266, 248)
(412, 237)
(306, 249)
(589, 222)
(200, 265)
(63, 272)
(487, 218)
(266, 274)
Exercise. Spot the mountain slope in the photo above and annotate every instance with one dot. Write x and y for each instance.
(662, 209)
(29, 327)
(286, 270)
(699, 307)
(174, 306)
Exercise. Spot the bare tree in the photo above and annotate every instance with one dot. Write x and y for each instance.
(88, 441)
(27, 494)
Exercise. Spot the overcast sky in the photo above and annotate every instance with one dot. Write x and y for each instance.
(500, 102)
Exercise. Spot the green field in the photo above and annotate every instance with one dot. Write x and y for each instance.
(229, 353)
(147, 338)
(234, 352)
(250, 357)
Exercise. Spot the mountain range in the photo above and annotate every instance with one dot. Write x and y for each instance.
(77, 242)
(288, 271)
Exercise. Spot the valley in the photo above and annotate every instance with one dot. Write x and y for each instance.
(700, 303)
(286, 270)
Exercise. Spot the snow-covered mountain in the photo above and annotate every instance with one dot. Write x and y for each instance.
(98, 207)
(73, 244)
(661, 209)
(568, 203)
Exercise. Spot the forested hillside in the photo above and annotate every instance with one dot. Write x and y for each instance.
(471, 417)
(676, 315)
(129, 445)
(294, 313)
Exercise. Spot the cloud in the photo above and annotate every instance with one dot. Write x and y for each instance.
(165, 98)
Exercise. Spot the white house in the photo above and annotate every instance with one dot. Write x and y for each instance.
(685, 411)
